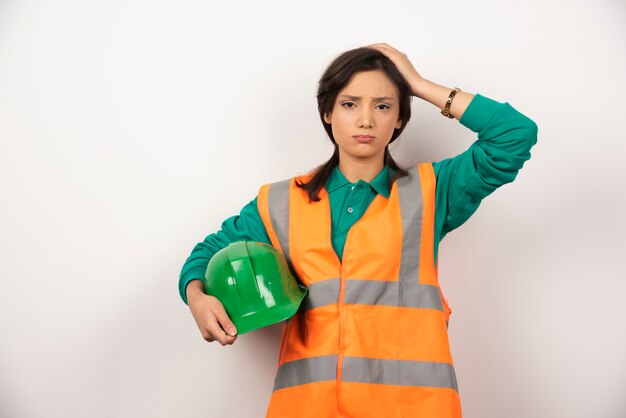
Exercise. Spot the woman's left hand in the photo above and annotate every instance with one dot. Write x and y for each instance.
(401, 61)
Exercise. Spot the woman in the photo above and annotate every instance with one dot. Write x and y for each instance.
(371, 339)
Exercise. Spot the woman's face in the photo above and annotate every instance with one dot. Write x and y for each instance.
(368, 105)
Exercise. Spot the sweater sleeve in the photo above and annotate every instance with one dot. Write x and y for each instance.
(247, 226)
(505, 137)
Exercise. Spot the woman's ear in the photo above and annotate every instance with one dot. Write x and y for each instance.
(399, 124)
(327, 118)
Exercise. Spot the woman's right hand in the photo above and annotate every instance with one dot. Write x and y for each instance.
(210, 315)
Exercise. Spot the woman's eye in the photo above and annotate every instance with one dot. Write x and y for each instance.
(350, 105)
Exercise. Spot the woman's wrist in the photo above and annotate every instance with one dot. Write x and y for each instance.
(438, 94)
(418, 86)
(194, 287)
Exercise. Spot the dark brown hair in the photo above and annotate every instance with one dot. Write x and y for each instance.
(336, 77)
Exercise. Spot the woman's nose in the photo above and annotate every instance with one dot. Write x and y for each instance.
(366, 117)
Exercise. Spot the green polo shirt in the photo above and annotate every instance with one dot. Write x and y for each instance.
(349, 201)
(505, 137)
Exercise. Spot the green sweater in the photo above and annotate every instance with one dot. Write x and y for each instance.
(505, 137)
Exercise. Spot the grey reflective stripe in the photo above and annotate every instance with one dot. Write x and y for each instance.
(411, 202)
(307, 370)
(373, 292)
(325, 292)
(399, 372)
(412, 293)
(278, 202)
(366, 370)
(378, 292)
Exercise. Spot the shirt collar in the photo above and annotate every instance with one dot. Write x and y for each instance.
(380, 183)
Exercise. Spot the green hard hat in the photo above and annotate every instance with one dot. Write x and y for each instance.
(254, 283)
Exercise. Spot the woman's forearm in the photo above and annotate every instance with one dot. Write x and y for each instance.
(193, 288)
(438, 95)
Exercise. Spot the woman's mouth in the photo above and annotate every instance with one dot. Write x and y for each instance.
(364, 139)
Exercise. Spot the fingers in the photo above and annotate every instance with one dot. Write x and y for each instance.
(382, 45)
(224, 320)
(207, 336)
(387, 50)
(221, 327)
(217, 333)
(213, 321)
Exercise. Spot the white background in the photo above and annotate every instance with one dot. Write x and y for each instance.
(129, 130)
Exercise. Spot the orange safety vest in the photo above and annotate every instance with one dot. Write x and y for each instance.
(371, 337)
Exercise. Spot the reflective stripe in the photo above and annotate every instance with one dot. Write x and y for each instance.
(373, 292)
(366, 370)
(378, 292)
(278, 206)
(306, 370)
(410, 195)
(398, 372)
(412, 292)
(322, 293)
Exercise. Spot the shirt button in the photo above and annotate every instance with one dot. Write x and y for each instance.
(350, 210)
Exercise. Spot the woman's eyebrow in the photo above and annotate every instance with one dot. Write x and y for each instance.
(357, 98)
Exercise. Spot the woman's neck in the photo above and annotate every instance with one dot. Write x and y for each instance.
(360, 170)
